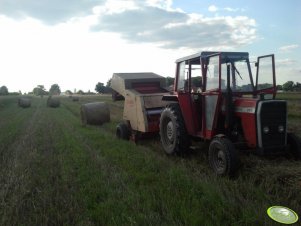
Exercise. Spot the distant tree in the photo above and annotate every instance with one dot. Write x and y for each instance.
(14, 93)
(100, 88)
(196, 81)
(68, 92)
(109, 82)
(279, 87)
(39, 90)
(169, 81)
(297, 87)
(55, 90)
(264, 86)
(90, 93)
(3, 90)
(80, 92)
(246, 88)
(288, 86)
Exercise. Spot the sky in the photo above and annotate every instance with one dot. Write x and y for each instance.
(78, 43)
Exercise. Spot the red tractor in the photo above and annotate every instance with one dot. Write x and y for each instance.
(215, 99)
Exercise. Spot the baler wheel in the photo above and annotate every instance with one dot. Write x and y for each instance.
(223, 157)
(173, 133)
(294, 146)
(122, 131)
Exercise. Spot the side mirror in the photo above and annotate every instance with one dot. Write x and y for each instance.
(256, 64)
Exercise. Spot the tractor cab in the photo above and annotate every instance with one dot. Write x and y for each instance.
(216, 98)
(206, 81)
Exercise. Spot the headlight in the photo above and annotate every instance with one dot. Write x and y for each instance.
(280, 129)
(266, 129)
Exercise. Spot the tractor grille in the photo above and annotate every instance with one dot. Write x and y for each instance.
(271, 116)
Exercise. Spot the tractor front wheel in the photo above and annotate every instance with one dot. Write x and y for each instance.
(294, 146)
(223, 157)
(173, 133)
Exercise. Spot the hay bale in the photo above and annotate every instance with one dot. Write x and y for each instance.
(95, 113)
(53, 102)
(75, 98)
(24, 102)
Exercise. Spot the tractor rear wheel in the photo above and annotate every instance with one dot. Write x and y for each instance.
(223, 157)
(294, 146)
(122, 131)
(173, 133)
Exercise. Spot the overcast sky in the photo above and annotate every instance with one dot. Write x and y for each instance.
(81, 42)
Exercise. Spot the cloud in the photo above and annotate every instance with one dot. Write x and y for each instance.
(285, 62)
(142, 21)
(166, 4)
(48, 11)
(229, 9)
(212, 8)
(170, 28)
(288, 48)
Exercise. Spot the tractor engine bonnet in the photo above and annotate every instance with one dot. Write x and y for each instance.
(263, 122)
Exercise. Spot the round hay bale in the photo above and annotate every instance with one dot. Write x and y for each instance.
(75, 98)
(24, 102)
(95, 113)
(53, 102)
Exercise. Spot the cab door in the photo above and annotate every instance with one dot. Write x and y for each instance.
(265, 75)
(184, 97)
(211, 97)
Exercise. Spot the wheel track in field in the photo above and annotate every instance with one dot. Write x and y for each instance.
(12, 180)
(24, 192)
(84, 140)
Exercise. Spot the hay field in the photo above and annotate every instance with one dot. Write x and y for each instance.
(54, 171)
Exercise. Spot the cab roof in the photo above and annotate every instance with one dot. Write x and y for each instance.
(224, 55)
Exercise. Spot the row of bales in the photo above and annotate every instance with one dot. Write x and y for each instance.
(96, 113)
(25, 102)
(52, 101)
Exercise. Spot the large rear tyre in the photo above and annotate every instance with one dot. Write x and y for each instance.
(223, 157)
(173, 133)
(294, 146)
(122, 131)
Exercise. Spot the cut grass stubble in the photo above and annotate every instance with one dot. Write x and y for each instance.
(74, 175)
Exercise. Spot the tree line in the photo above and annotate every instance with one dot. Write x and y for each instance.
(100, 87)
(40, 90)
(290, 86)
